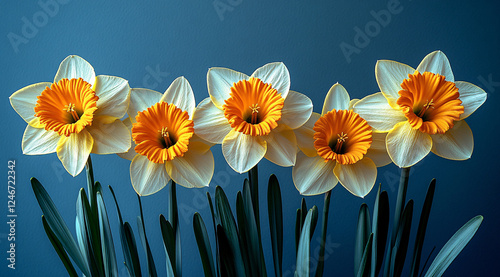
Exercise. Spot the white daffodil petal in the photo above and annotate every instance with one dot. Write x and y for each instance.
(275, 74)
(357, 178)
(114, 96)
(220, 80)
(181, 95)
(73, 151)
(74, 67)
(352, 103)
(305, 136)
(312, 175)
(337, 98)
(378, 113)
(390, 75)
(140, 100)
(407, 146)
(24, 100)
(242, 152)
(110, 138)
(195, 169)
(281, 147)
(377, 151)
(147, 177)
(437, 62)
(38, 141)
(472, 97)
(456, 144)
(296, 110)
(130, 154)
(210, 123)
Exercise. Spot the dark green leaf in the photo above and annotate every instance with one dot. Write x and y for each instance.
(364, 264)
(422, 226)
(402, 238)
(59, 249)
(145, 243)
(380, 230)
(275, 211)
(321, 258)
(174, 220)
(303, 253)
(58, 226)
(108, 248)
(168, 236)
(362, 235)
(200, 233)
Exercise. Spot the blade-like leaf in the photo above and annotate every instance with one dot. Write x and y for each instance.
(168, 235)
(302, 269)
(422, 226)
(275, 211)
(144, 241)
(364, 264)
(58, 226)
(59, 249)
(88, 233)
(402, 238)
(227, 258)
(174, 220)
(108, 248)
(453, 247)
(200, 233)
(321, 258)
(129, 248)
(380, 230)
(230, 231)
(362, 235)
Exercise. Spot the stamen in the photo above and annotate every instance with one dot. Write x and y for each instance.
(340, 141)
(166, 137)
(70, 108)
(428, 104)
(255, 110)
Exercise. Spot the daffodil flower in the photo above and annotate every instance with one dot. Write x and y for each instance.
(76, 115)
(338, 145)
(422, 110)
(252, 117)
(165, 144)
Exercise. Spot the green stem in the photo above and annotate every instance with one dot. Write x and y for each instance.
(321, 259)
(90, 181)
(174, 220)
(254, 192)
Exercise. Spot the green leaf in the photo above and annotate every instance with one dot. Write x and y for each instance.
(401, 243)
(127, 240)
(275, 211)
(453, 247)
(302, 269)
(58, 226)
(364, 264)
(228, 264)
(215, 218)
(253, 178)
(314, 219)
(144, 241)
(168, 235)
(201, 235)
(108, 248)
(321, 258)
(422, 226)
(230, 231)
(362, 235)
(59, 249)
(380, 230)
(298, 229)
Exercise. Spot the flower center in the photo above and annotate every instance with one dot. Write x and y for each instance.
(342, 136)
(67, 106)
(254, 107)
(430, 103)
(162, 132)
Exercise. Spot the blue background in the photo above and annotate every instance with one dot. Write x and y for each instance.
(185, 38)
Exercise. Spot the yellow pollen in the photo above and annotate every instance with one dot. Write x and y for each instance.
(342, 138)
(166, 137)
(255, 110)
(426, 106)
(70, 108)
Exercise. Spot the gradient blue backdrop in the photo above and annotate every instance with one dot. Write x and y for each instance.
(153, 42)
